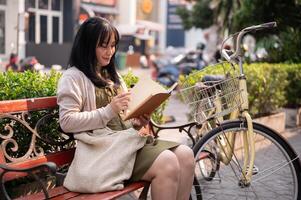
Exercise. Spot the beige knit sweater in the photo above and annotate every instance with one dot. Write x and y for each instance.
(103, 158)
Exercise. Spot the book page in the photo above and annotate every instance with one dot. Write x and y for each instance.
(143, 89)
(146, 96)
(149, 105)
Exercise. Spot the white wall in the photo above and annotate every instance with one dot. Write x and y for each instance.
(21, 32)
(127, 12)
(162, 20)
(11, 15)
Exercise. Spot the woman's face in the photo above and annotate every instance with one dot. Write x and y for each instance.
(105, 51)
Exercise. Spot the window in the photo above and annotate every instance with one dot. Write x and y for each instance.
(43, 28)
(56, 5)
(30, 4)
(43, 4)
(55, 29)
(2, 32)
(31, 27)
(45, 21)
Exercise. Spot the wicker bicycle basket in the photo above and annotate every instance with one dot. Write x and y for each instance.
(212, 99)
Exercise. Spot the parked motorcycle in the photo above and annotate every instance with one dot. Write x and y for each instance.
(168, 71)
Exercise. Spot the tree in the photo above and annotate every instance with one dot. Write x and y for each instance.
(233, 15)
(195, 18)
(206, 13)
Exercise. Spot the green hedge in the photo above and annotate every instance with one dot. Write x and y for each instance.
(270, 86)
(27, 84)
(293, 90)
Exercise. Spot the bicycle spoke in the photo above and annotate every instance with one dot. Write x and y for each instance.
(277, 169)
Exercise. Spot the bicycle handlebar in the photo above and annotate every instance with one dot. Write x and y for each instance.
(238, 50)
(261, 26)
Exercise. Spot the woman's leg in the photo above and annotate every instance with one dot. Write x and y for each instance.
(186, 160)
(164, 176)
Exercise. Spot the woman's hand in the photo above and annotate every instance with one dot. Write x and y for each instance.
(120, 102)
(141, 121)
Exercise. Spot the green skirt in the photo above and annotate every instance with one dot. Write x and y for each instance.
(147, 155)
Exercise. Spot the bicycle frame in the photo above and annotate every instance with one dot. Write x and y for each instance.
(227, 142)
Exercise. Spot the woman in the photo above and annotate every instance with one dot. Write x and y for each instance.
(109, 150)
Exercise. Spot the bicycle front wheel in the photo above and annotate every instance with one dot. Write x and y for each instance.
(276, 172)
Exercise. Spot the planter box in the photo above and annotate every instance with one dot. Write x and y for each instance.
(274, 121)
(291, 117)
(133, 60)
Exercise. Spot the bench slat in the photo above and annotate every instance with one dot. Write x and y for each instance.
(13, 106)
(60, 158)
(54, 193)
(112, 194)
(66, 196)
(61, 193)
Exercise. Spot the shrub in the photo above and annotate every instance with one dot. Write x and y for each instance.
(293, 90)
(27, 84)
(266, 87)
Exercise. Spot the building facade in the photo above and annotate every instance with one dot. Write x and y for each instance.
(50, 29)
(46, 28)
(40, 28)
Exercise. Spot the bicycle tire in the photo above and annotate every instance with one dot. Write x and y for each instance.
(282, 183)
(211, 160)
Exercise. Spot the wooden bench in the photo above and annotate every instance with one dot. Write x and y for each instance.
(37, 117)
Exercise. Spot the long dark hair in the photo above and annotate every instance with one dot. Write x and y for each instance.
(92, 33)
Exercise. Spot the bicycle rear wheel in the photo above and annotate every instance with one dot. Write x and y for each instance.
(276, 173)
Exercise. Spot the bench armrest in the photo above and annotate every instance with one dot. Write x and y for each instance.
(50, 166)
(156, 128)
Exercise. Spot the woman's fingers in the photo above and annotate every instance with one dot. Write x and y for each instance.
(120, 102)
(124, 96)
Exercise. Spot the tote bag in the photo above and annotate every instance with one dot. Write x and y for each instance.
(103, 160)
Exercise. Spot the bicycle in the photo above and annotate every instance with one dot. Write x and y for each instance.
(238, 158)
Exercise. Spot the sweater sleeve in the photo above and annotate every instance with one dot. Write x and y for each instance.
(71, 102)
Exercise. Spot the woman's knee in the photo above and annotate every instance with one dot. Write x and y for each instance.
(168, 163)
(168, 166)
(165, 166)
(185, 156)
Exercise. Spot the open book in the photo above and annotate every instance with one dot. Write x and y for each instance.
(146, 96)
